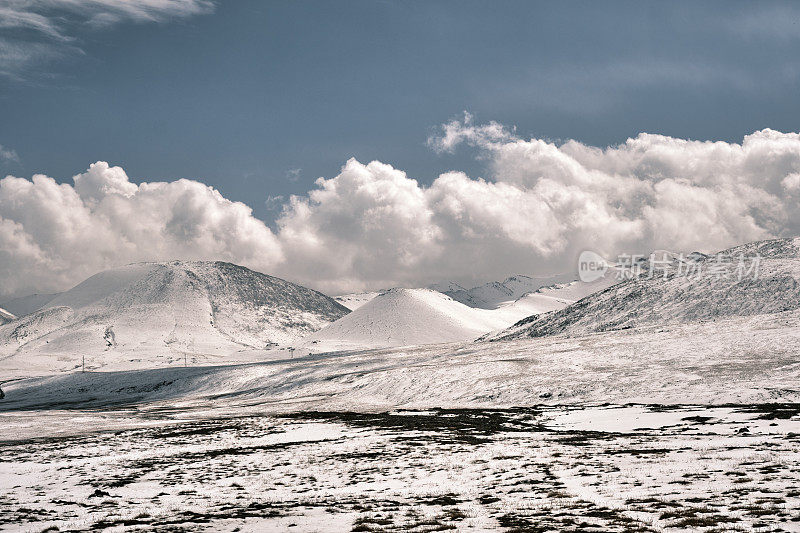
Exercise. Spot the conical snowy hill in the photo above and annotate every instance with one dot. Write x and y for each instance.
(155, 311)
(405, 317)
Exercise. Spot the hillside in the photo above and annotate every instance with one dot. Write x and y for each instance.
(678, 298)
(520, 293)
(354, 300)
(404, 317)
(154, 313)
(554, 297)
(496, 293)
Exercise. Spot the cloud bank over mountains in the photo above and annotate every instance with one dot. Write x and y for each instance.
(372, 226)
(53, 235)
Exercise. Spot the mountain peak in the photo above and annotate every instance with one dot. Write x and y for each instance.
(403, 317)
(209, 307)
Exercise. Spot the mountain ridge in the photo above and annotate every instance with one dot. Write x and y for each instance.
(493, 294)
(677, 298)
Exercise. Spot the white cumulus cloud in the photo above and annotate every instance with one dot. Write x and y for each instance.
(373, 226)
(54, 235)
(541, 205)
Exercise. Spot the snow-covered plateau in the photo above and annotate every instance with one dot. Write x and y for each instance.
(665, 404)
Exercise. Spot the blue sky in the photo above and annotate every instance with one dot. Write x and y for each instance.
(244, 96)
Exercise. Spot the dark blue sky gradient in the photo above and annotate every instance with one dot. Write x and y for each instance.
(239, 98)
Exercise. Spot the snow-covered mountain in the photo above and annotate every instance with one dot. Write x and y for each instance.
(558, 296)
(496, 293)
(26, 305)
(487, 296)
(554, 292)
(355, 300)
(446, 286)
(770, 284)
(404, 317)
(157, 311)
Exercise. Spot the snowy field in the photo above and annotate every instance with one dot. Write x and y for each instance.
(609, 468)
(735, 360)
(670, 428)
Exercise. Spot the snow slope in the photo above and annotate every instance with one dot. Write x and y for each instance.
(733, 360)
(196, 448)
(26, 305)
(155, 313)
(355, 300)
(487, 296)
(679, 298)
(496, 293)
(5, 316)
(556, 297)
(404, 317)
(446, 287)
